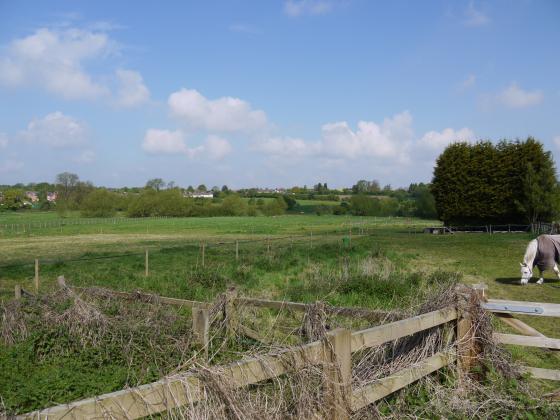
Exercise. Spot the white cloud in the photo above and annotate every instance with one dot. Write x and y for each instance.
(475, 17)
(435, 140)
(132, 91)
(9, 166)
(54, 60)
(166, 142)
(296, 8)
(224, 114)
(515, 97)
(388, 140)
(3, 140)
(217, 147)
(56, 130)
(390, 144)
(289, 147)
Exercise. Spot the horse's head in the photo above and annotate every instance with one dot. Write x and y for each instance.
(526, 273)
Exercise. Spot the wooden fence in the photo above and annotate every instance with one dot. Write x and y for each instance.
(505, 310)
(334, 353)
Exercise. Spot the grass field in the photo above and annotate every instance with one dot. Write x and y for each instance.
(299, 258)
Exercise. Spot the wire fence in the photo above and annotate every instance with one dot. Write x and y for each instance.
(11, 229)
(204, 246)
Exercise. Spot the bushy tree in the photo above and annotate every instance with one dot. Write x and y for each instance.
(155, 183)
(275, 207)
(233, 205)
(13, 199)
(99, 203)
(511, 182)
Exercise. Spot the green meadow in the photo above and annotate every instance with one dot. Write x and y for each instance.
(343, 260)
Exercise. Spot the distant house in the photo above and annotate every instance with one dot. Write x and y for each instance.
(51, 197)
(33, 196)
(271, 190)
(200, 194)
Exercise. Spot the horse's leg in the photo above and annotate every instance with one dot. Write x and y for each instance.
(556, 270)
(541, 280)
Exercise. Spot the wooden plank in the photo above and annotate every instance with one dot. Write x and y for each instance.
(178, 390)
(17, 291)
(36, 276)
(379, 335)
(131, 403)
(201, 327)
(338, 373)
(386, 386)
(539, 373)
(549, 309)
(147, 297)
(146, 264)
(333, 310)
(273, 304)
(523, 340)
(519, 325)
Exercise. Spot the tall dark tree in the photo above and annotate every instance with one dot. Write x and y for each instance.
(511, 182)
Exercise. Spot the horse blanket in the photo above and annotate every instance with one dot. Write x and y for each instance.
(548, 251)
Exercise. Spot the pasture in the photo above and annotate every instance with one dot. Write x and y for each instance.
(346, 261)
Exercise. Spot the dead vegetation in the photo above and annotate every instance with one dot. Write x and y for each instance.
(146, 332)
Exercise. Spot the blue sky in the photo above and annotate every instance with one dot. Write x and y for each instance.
(269, 93)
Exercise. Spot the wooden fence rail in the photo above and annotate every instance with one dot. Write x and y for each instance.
(333, 353)
(505, 311)
(178, 390)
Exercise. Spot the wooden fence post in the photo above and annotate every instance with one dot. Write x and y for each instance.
(268, 246)
(467, 347)
(201, 326)
(236, 250)
(338, 373)
(146, 264)
(17, 291)
(36, 276)
(203, 252)
(230, 311)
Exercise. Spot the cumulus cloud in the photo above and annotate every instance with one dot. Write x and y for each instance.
(386, 144)
(131, 91)
(389, 139)
(296, 8)
(475, 17)
(438, 140)
(217, 147)
(225, 114)
(55, 59)
(56, 130)
(515, 97)
(289, 147)
(166, 142)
